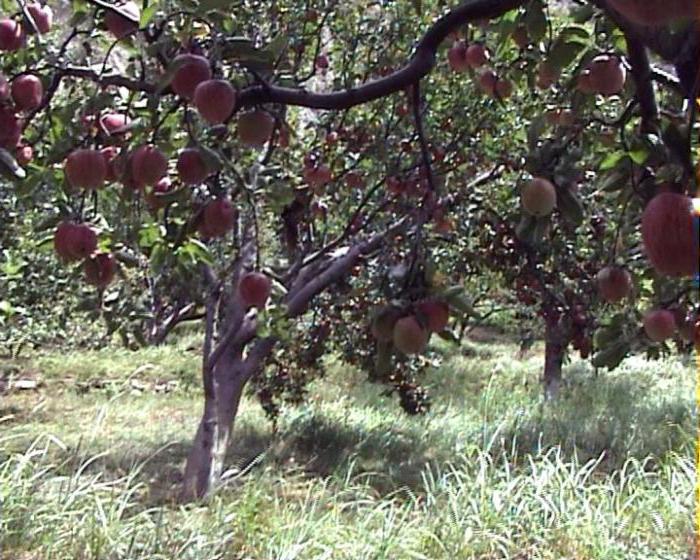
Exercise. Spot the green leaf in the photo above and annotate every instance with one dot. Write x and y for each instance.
(159, 255)
(535, 20)
(611, 356)
(243, 50)
(564, 53)
(581, 14)
(611, 160)
(276, 47)
(148, 14)
(638, 155)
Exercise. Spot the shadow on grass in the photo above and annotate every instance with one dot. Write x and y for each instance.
(614, 416)
(159, 471)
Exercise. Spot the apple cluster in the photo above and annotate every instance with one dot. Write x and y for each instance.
(409, 329)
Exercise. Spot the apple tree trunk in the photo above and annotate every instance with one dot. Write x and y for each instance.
(205, 461)
(555, 344)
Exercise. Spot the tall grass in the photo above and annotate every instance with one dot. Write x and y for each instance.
(606, 473)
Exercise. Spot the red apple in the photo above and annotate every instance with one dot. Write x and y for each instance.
(539, 197)
(27, 92)
(148, 165)
(215, 100)
(566, 118)
(487, 82)
(354, 180)
(457, 57)
(669, 236)
(607, 75)
(119, 26)
(74, 242)
(332, 138)
(547, 75)
(113, 123)
(659, 324)
(255, 127)
(192, 70)
(218, 218)
(443, 225)
(154, 201)
(191, 167)
(503, 89)
(395, 185)
(436, 314)
(85, 168)
(476, 55)
(24, 155)
(318, 176)
(583, 82)
(319, 209)
(42, 16)
(409, 337)
(12, 36)
(100, 269)
(322, 62)
(254, 289)
(614, 283)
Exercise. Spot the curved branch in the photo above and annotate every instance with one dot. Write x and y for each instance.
(420, 64)
(641, 72)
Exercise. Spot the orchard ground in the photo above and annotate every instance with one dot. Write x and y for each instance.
(90, 460)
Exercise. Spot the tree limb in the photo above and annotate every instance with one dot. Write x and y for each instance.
(641, 72)
(420, 64)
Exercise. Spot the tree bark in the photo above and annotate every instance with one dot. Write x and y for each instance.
(555, 344)
(205, 461)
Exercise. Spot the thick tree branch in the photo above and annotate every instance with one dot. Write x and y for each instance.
(682, 48)
(420, 64)
(212, 299)
(299, 297)
(179, 315)
(116, 9)
(422, 140)
(106, 80)
(641, 72)
(235, 311)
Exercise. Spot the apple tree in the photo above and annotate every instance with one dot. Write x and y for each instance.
(313, 176)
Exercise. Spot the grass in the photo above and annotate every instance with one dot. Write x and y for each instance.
(89, 464)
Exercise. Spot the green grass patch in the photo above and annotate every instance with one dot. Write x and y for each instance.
(90, 470)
